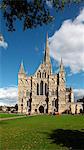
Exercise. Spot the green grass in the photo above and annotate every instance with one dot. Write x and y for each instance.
(43, 133)
(5, 115)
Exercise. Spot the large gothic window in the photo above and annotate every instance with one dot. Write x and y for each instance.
(41, 88)
(46, 88)
(69, 96)
(37, 89)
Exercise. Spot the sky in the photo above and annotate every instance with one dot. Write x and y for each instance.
(66, 40)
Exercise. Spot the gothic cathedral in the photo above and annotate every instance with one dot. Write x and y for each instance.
(44, 92)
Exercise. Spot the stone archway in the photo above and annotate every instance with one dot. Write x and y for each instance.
(41, 109)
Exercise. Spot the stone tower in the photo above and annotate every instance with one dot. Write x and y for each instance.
(62, 88)
(21, 88)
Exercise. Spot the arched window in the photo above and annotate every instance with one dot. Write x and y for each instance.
(69, 96)
(37, 89)
(45, 74)
(22, 100)
(46, 89)
(40, 74)
(28, 103)
(41, 88)
(56, 104)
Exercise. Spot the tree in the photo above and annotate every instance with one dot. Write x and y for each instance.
(31, 12)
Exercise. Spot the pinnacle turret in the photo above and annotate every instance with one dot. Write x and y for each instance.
(61, 66)
(22, 71)
(1, 37)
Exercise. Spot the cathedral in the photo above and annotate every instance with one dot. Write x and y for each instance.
(44, 92)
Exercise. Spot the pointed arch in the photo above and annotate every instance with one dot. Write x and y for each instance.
(40, 74)
(41, 88)
(37, 89)
(45, 74)
(22, 100)
(46, 88)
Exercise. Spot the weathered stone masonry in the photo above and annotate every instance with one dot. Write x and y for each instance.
(44, 92)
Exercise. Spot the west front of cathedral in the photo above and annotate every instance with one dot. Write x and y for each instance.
(44, 92)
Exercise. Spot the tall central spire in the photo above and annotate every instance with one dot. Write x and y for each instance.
(47, 56)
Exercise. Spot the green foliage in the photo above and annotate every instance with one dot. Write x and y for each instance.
(31, 12)
(39, 133)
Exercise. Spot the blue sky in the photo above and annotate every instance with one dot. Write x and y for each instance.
(29, 46)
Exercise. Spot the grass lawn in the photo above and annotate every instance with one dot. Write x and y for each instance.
(4, 115)
(64, 132)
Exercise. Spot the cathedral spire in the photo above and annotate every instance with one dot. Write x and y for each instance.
(47, 56)
(22, 71)
(47, 45)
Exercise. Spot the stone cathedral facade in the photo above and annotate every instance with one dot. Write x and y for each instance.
(44, 92)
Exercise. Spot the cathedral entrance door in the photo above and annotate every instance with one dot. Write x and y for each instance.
(41, 109)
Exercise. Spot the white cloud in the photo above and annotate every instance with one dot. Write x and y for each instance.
(68, 43)
(80, 18)
(2, 42)
(8, 96)
(79, 93)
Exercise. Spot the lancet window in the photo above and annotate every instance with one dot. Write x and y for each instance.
(41, 88)
(37, 89)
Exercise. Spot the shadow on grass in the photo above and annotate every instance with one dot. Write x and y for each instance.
(72, 139)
